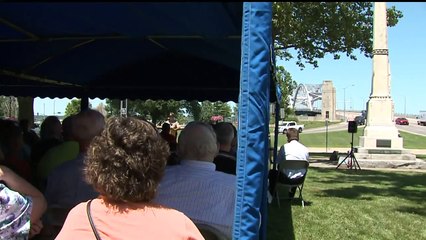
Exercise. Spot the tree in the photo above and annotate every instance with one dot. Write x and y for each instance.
(287, 86)
(73, 107)
(194, 109)
(8, 106)
(159, 109)
(315, 29)
(210, 109)
(149, 109)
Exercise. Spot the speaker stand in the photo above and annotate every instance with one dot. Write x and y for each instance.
(352, 162)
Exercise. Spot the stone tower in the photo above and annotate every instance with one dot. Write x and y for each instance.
(328, 100)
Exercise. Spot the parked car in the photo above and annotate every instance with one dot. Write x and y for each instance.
(284, 125)
(360, 120)
(401, 121)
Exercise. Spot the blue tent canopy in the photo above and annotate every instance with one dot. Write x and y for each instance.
(121, 50)
(217, 51)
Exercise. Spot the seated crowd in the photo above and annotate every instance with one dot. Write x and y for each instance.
(135, 181)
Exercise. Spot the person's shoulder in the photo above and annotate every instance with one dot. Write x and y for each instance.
(79, 211)
(224, 178)
(66, 167)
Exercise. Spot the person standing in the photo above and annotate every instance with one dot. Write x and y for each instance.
(174, 125)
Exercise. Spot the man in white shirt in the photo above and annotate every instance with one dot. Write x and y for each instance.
(293, 150)
(194, 187)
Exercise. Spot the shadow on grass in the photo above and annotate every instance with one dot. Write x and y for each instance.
(280, 225)
(365, 184)
(421, 211)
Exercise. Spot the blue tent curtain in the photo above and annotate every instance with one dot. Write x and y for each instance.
(253, 127)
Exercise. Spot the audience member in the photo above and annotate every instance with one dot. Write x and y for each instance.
(234, 145)
(66, 186)
(293, 150)
(165, 134)
(16, 153)
(21, 208)
(194, 187)
(50, 136)
(225, 161)
(61, 153)
(30, 137)
(125, 165)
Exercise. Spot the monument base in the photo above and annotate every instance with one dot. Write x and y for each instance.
(400, 164)
(381, 137)
(388, 158)
(384, 154)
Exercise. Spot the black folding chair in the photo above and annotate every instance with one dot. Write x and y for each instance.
(210, 232)
(281, 177)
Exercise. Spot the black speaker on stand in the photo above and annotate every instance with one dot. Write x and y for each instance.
(352, 162)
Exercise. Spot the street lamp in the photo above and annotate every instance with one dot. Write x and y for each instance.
(344, 100)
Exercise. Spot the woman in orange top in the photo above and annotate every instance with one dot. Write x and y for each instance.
(125, 165)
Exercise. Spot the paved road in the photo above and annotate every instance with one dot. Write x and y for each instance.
(412, 128)
(331, 128)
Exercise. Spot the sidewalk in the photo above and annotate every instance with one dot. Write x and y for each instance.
(344, 150)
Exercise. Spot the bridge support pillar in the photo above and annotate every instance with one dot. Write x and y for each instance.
(328, 100)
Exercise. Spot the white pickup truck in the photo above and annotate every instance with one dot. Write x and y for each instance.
(421, 119)
(284, 125)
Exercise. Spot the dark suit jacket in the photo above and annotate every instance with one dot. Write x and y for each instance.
(225, 162)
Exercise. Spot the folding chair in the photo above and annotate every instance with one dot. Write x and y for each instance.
(210, 232)
(285, 168)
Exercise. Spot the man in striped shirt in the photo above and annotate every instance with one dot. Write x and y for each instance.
(194, 187)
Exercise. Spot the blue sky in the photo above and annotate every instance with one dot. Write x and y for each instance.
(406, 56)
(406, 42)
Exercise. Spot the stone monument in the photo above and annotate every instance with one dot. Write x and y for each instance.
(381, 138)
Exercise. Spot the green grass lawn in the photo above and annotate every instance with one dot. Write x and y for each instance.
(342, 139)
(347, 204)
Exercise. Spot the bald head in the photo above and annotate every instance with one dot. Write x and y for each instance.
(197, 141)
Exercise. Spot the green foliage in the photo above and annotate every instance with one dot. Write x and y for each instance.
(315, 29)
(194, 109)
(148, 109)
(210, 109)
(287, 86)
(8, 106)
(112, 107)
(157, 110)
(73, 107)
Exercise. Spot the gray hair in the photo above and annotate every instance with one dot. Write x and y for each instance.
(88, 124)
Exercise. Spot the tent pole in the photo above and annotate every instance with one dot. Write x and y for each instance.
(84, 103)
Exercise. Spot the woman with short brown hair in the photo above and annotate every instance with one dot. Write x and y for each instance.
(125, 164)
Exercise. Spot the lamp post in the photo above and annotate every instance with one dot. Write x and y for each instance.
(344, 100)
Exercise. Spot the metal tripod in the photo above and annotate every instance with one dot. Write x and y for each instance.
(352, 162)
